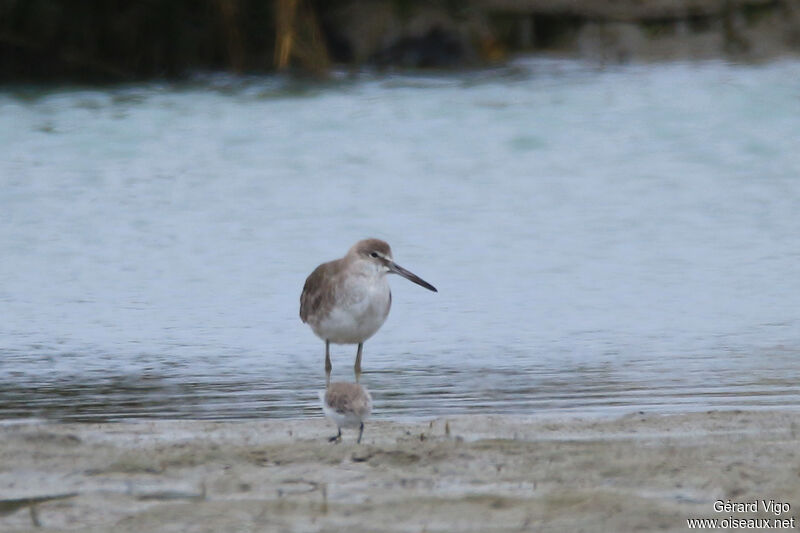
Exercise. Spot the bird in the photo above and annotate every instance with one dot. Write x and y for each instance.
(347, 405)
(345, 301)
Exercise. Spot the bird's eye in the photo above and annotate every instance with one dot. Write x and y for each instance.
(373, 254)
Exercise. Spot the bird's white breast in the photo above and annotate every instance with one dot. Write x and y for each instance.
(362, 305)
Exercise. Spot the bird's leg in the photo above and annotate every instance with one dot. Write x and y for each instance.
(357, 367)
(360, 432)
(337, 437)
(328, 366)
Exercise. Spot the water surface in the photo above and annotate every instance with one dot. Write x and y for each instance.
(602, 240)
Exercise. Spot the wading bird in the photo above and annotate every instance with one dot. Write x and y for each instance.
(347, 300)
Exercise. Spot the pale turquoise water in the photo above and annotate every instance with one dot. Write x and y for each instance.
(602, 241)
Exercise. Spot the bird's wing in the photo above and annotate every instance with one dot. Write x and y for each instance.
(319, 291)
(339, 398)
(348, 398)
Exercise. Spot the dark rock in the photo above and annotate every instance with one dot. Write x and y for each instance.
(437, 49)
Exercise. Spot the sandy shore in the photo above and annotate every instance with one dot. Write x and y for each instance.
(470, 473)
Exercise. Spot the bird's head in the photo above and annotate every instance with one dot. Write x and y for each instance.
(379, 254)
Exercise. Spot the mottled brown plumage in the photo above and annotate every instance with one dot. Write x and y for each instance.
(344, 397)
(347, 405)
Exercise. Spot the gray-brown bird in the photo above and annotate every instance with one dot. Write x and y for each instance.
(347, 405)
(347, 300)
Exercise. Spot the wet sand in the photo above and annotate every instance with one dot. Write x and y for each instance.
(468, 473)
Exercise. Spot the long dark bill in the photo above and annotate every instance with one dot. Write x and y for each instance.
(410, 276)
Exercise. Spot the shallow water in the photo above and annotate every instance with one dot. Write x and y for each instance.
(602, 240)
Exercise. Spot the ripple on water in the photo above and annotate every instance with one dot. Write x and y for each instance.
(603, 240)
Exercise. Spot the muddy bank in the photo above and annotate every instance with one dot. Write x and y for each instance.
(469, 473)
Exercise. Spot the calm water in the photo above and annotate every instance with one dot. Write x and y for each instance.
(602, 241)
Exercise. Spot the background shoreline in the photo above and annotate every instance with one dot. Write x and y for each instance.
(53, 41)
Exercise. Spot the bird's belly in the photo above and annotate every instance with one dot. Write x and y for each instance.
(356, 320)
(343, 420)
